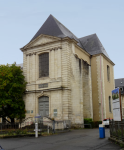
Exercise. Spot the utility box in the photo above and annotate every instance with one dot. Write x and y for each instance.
(101, 131)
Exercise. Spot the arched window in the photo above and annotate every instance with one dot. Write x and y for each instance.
(44, 65)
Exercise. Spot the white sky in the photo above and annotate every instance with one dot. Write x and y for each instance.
(21, 19)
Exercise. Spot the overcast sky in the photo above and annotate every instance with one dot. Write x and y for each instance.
(21, 19)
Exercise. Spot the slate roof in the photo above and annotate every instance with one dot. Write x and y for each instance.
(119, 82)
(93, 45)
(53, 27)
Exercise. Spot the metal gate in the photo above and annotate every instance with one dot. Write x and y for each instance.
(43, 107)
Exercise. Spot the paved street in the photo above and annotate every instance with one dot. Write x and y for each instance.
(86, 139)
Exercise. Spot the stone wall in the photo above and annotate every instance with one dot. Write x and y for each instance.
(69, 82)
(87, 91)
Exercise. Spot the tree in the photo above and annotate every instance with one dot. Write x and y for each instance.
(12, 88)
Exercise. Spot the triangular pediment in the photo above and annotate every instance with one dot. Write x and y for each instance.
(41, 40)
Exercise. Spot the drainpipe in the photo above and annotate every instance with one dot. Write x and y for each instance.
(101, 90)
(90, 59)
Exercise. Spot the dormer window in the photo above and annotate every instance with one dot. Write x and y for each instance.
(44, 65)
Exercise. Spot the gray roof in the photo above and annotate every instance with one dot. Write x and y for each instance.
(119, 82)
(53, 27)
(93, 45)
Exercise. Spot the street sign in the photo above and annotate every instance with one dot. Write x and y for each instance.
(38, 116)
(116, 102)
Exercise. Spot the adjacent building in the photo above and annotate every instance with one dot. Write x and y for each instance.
(120, 83)
(68, 78)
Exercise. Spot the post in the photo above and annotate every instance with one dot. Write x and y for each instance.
(48, 129)
(36, 130)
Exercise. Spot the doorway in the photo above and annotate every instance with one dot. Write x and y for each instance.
(43, 107)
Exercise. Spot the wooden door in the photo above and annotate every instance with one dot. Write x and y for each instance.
(43, 107)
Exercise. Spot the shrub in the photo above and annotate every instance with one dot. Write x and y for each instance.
(87, 120)
(18, 132)
(24, 131)
(10, 133)
(94, 124)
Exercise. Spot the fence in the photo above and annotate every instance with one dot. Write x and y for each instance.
(117, 129)
(27, 128)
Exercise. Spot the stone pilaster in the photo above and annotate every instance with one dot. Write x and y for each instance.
(28, 68)
(66, 98)
(52, 57)
(25, 65)
(59, 63)
(55, 62)
(90, 92)
(81, 91)
(34, 66)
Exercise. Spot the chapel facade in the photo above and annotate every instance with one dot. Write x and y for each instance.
(68, 78)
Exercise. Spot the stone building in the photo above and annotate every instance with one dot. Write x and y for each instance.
(68, 78)
(119, 83)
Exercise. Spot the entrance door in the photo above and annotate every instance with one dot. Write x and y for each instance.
(43, 107)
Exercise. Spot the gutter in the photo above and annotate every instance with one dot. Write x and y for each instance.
(101, 89)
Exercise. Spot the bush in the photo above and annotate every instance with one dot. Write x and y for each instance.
(18, 132)
(10, 133)
(94, 124)
(88, 120)
(24, 131)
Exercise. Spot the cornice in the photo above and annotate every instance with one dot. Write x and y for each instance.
(52, 49)
(42, 35)
(82, 50)
(49, 89)
(104, 57)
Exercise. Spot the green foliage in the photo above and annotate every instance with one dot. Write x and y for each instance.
(18, 132)
(94, 124)
(87, 120)
(10, 133)
(24, 131)
(12, 88)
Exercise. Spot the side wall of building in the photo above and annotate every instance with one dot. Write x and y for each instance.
(95, 96)
(81, 88)
(109, 86)
(101, 87)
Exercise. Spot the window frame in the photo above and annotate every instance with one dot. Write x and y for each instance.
(122, 111)
(45, 76)
(110, 104)
(108, 73)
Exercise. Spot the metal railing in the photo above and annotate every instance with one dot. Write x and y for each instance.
(17, 129)
(117, 129)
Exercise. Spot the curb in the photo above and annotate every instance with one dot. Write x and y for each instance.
(31, 135)
(120, 142)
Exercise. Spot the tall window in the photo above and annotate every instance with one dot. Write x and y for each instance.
(110, 109)
(123, 111)
(108, 73)
(44, 65)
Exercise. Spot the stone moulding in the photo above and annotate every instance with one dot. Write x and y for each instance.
(50, 89)
(34, 53)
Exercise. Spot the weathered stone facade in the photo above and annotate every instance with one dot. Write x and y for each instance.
(69, 82)
(75, 81)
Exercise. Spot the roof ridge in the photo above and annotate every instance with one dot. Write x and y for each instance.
(43, 30)
(88, 35)
(63, 26)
